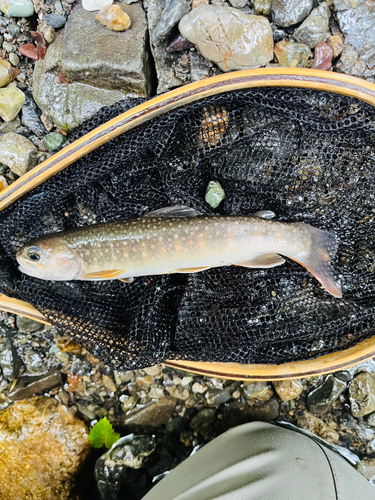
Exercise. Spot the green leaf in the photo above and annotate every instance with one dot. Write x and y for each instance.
(103, 434)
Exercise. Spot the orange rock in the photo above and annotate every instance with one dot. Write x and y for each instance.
(196, 3)
(114, 18)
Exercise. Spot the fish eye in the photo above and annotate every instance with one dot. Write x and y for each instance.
(33, 253)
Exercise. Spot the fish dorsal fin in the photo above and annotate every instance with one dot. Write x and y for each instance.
(177, 211)
(264, 214)
(104, 275)
(263, 261)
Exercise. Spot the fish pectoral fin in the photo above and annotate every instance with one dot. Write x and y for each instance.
(102, 275)
(264, 214)
(177, 211)
(191, 269)
(126, 280)
(263, 261)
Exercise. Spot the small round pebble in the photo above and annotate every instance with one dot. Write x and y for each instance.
(5, 73)
(14, 59)
(55, 21)
(14, 30)
(53, 141)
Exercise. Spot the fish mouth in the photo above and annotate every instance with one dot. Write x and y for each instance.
(30, 271)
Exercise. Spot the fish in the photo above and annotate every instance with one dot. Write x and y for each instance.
(179, 240)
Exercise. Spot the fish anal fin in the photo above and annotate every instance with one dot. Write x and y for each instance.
(191, 270)
(126, 280)
(102, 275)
(263, 261)
(264, 214)
(177, 211)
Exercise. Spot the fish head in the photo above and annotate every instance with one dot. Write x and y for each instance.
(49, 258)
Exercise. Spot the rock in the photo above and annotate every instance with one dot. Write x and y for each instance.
(53, 141)
(238, 4)
(9, 47)
(371, 419)
(197, 3)
(10, 126)
(289, 12)
(358, 22)
(362, 394)
(55, 21)
(164, 61)
(17, 153)
(169, 18)
(14, 59)
(17, 8)
(114, 18)
(28, 325)
(262, 7)
(45, 461)
(92, 5)
(320, 400)
(11, 102)
(313, 30)
(366, 468)
(10, 361)
(199, 67)
(152, 415)
(49, 34)
(3, 183)
(291, 54)
(323, 57)
(335, 42)
(178, 392)
(228, 37)
(260, 391)
(29, 386)
(31, 116)
(215, 397)
(215, 194)
(178, 44)
(69, 105)
(14, 30)
(288, 389)
(113, 61)
(198, 388)
(5, 72)
(112, 468)
(352, 63)
(264, 411)
(318, 427)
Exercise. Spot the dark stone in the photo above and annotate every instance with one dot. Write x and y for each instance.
(31, 116)
(170, 16)
(10, 361)
(29, 386)
(152, 415)
(14, 30)
(320, 400)
(344, 375)
(179, 44)
(55, 21)
(206, 415)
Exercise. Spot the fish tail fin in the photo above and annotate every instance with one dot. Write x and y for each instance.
(318, 259)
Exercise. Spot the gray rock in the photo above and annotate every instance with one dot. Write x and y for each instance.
(321, 399)
(200, 68)
(107, 59)
(366, 468)
(371, 419)
(353, 64)
(10, 126)
(289, 12)
(152, 415)
(55, 21)
(362, 394)
(313, 30)
(17, 153)
(262, 7)
(31, 116)
(29, 386)
(10, 361)
(228, 37)
(68, 105)
(14, 59)
(260, 391)
(217, 396)
(14, 29)
(359, 25)
(170, 16)
(238, 4)
(347, 4)
(164, 62)
(28, 325)
(128, 452)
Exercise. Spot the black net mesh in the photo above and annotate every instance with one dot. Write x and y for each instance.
(307, 155)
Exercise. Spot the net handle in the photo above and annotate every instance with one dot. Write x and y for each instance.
(265, 77)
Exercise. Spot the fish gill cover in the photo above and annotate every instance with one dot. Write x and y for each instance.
(307, 155)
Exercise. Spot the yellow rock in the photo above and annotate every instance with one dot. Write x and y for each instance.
(114, 18)
(288, 389)
(5, 72)
(335, 42)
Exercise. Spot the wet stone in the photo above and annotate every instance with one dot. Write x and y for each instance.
(31, 116)
(10, 126)
(288, 389)
(321, 399)
(362, 394)
(5, 72)
(371, 419)
(17, 8)
(170, 17)
(261, 391)
(313, 30)
(29, 386)
(335, 42)
(264, 411)
(14, 59)
(27, 324)
(323, 57)
(18, 153)
(10, 361)
(204, 416)
(53, 141)
(366, 468)
(53, 440)
(262, 7)
(242, 41)
(14, 29)
(289, 12)
(217, 396)
(11, 102)
(292, 55)
(318, 427)
(154, 414)
(178, 44)
(55, 21)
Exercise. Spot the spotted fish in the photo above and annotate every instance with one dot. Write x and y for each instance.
(178, 240)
